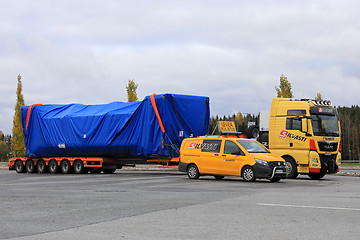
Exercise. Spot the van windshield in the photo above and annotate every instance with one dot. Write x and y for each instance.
(252, 146)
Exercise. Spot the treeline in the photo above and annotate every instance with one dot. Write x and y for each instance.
(350, 131)
(5, 141)
(241, 122)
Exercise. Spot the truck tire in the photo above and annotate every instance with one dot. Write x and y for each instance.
(30, 166)
(291, 168)
(65, 166)
(19, 167)
(248, 174)
(53, 166)
(193, 172)
(316, 176)
(41, 166)
(264, 139)
(78, 167)
(252, 132)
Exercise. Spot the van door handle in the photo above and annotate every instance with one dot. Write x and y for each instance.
(216, 154)
(291, 144)
(224, 155)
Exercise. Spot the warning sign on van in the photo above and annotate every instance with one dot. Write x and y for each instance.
(227, 127)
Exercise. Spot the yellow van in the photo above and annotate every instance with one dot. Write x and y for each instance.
(225, 156)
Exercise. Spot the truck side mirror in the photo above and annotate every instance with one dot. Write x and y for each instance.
(305, 127)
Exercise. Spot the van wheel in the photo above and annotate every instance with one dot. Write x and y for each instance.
(193, 172)
(291, 168)
(248, 174)
(217, 177)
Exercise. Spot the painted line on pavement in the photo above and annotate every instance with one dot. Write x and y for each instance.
(305, 206)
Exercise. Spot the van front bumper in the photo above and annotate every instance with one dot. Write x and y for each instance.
(274, 169)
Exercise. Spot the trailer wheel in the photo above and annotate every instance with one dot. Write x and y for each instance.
(248, 174)
(78, 167)
(291, 168)
(41, 166)
(193, 172)
(253, 132)
(65, 166)
(30, 166)
(19, 166)
(53, 166)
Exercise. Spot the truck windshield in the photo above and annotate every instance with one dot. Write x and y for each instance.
(325, 125)
(252, 146)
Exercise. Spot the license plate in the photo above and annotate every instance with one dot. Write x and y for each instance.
(279, 171)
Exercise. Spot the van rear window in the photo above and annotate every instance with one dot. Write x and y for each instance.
(211, 146)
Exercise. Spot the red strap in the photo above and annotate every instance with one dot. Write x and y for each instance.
(28, 115)
(152, 98)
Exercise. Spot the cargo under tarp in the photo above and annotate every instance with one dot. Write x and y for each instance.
(118, 129)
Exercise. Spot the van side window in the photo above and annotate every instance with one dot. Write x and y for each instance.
(232, 148)
(211, 146)
(292, 124)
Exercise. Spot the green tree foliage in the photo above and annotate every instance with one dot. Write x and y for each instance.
(18, 143)
(131, 91)
(284, 89)
(240, 122)
(349, 118)
(318, 96)
(4, 151)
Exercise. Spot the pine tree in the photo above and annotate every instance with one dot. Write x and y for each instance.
(284, 89)
(131, 91)
(18, 142)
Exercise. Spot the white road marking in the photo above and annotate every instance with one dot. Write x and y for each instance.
(304, 206)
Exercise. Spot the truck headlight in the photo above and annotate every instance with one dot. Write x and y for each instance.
(262, 162)
(314, 160)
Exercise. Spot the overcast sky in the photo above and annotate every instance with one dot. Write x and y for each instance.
(231, 51)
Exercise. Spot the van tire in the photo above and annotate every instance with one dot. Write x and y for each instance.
(193, 172)
(291, 168)
(248, 174)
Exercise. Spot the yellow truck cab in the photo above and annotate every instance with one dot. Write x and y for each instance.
(226, 156)
(306, 133)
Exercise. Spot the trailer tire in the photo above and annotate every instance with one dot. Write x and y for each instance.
(30, 166)
(65, 166)
(19, 167)
(248, 174)
(78, 167)
(193, 172)
(252, 132)
(41, 166)
(53, 166)
(291, 168)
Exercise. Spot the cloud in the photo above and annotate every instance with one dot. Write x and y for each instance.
(232, 51)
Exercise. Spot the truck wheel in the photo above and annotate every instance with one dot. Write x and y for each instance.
(53, 166)
(193, 172)
(65, 167)
(41, 166)
(291, 168)
(316, 176)
(19, 166)
(218, 177)
(78, 167)
(253, 132)
(248, 174)
(30, 166)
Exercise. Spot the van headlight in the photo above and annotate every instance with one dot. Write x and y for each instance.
(262, 162)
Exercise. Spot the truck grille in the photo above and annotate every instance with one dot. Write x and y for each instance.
(327, 146)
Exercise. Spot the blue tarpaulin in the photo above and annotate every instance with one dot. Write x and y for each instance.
(116, 129)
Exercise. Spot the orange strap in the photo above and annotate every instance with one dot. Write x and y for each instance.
(152, 98)
(28, 115)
